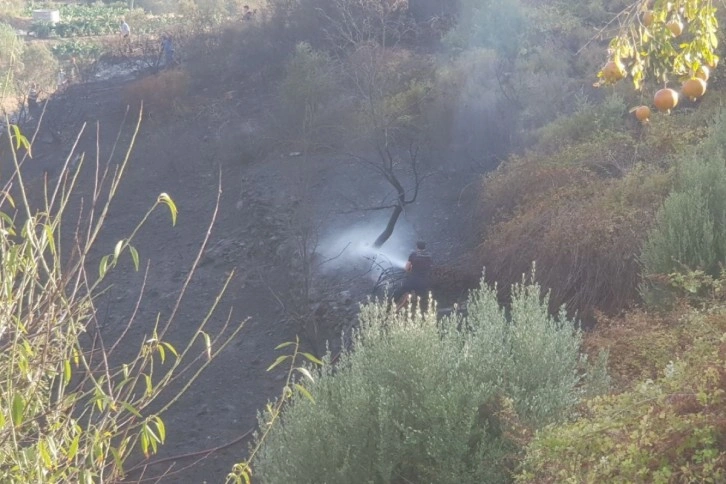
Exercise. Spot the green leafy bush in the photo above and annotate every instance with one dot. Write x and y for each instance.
(690, 231)
(588, 121)
(421, 400)
(39, 66)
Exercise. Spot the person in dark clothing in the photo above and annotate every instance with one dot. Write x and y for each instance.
(33, 99)
(418, 270)
(167, 50)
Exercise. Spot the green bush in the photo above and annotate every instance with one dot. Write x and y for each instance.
(421, 400)
(589, 121)
(39, 67)
(690, 231)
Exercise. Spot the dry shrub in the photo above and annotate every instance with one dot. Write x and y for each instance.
(640, 344)
(666, 429)
(160, 92)
(584, 237)
(523, 179)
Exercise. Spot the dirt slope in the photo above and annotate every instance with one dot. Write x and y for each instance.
(261, 199)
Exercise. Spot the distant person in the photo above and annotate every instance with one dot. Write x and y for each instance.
(167, 50)
(73, 72)
(33, 98)
(418, 270)
(125, 34)
(61, 80)
(247, 13)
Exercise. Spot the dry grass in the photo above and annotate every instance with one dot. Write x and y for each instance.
(583, 232)
(160, 92)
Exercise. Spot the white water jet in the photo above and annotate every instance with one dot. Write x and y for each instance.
(353, 248)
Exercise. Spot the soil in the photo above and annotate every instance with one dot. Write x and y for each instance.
(264, 202)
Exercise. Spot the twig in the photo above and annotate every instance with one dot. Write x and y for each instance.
(205, 453)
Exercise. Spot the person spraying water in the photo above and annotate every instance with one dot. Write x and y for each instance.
(418, 272)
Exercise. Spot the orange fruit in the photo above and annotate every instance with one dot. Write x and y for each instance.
(694, 88)
(642, 114)
(703, 72)
(665, 99)
(613, 71)
(676, 27)
(648, 18)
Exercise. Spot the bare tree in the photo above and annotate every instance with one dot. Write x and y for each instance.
(350, 23)
(391, 86)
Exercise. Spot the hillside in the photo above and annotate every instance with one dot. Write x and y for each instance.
(295, 142)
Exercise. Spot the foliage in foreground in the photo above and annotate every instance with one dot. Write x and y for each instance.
(670, 429)
(421, 400)
(72, 409)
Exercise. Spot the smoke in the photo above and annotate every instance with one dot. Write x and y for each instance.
(352, 248)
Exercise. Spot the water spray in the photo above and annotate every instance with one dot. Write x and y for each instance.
(379, 255)
(353, 247)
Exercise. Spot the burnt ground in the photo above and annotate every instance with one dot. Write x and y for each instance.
(264, 202)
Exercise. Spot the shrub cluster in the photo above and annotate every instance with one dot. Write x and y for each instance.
(421, 400)
(690, 231)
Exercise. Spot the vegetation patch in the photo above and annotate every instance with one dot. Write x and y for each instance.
(422, 400)
(666, 429)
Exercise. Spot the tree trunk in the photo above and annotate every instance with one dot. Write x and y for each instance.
(386, 234)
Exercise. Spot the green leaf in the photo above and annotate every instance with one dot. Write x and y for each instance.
(149, 385)
(207, 345)
(103, 266)
(279, 360)
(117, 249)
(312, 358)
(131, 409)
(67, 372)
(304, 391)
(166, 200)
(11, 202)
(162, 353)
(73, 449)
(284, 345)
(171, 349)
(2, 420)
(117, 460)
(134, 256)
(306, 373)
(43, 449)
(51, 239)
(17, 410)
(144, 443)
(160, 428)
